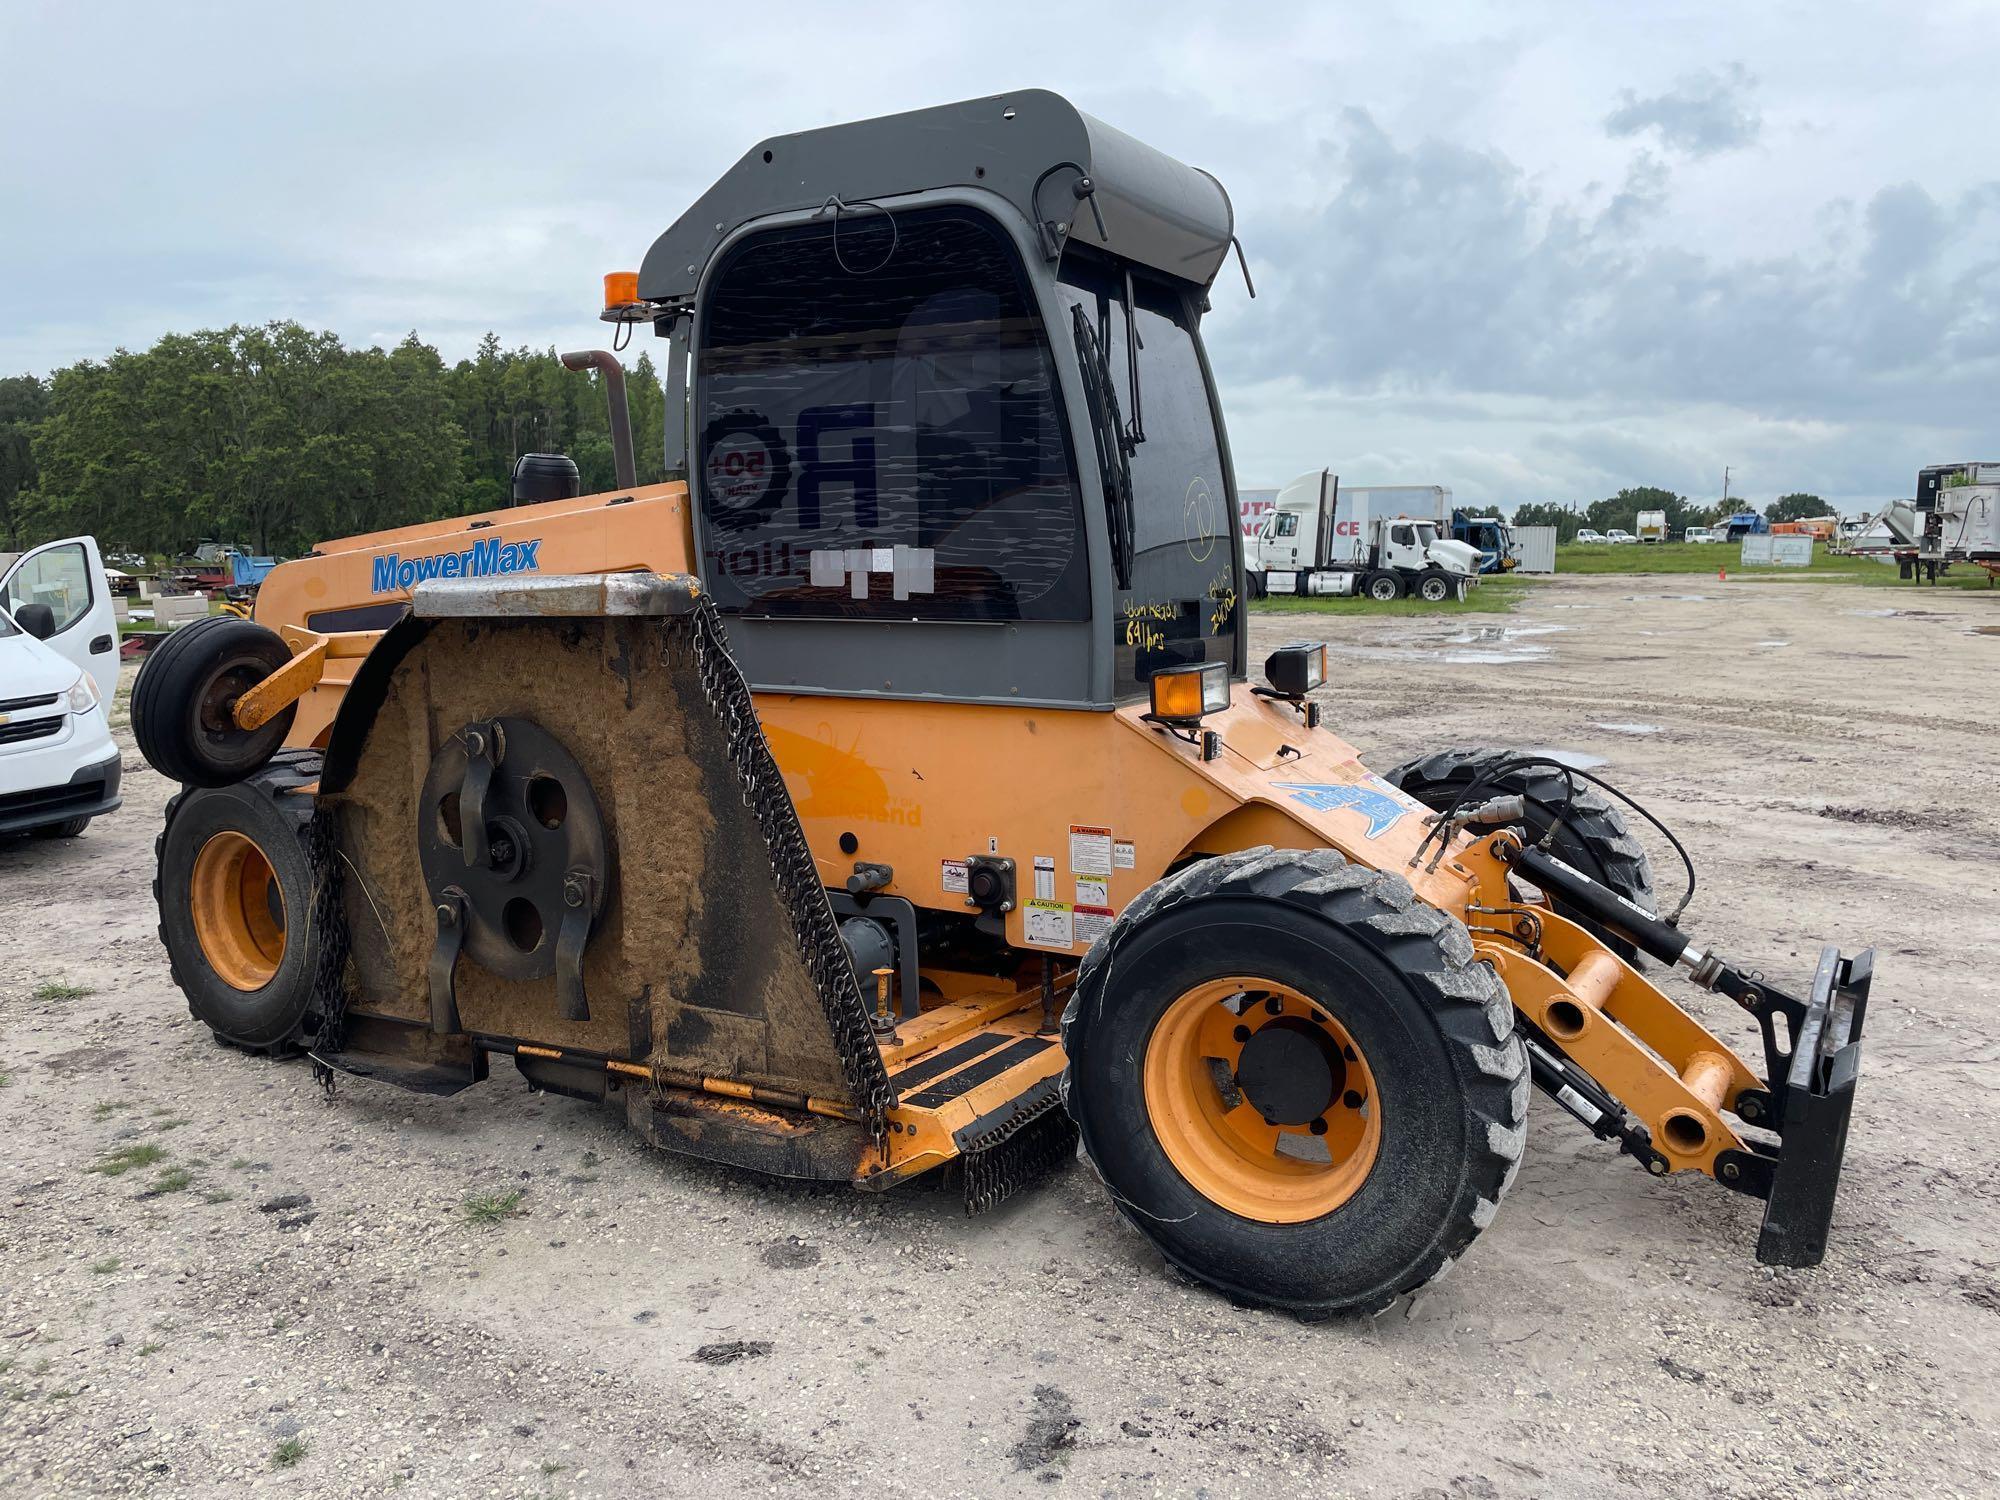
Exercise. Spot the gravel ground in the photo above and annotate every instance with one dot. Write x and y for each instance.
(215, 1280)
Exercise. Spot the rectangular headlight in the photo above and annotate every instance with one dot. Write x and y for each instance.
(1183, 694)
(1295, 670)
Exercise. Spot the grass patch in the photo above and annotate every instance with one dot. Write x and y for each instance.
(492, 1208)
(106, 1266)
(151, 1346)
(1493, 596)
(1695, 557)
(217, 1195)
(60, 989)
(287, 1453)
(173, 1124)
(106, 1108)
(173, 1180)
(125, 1158)
(5, 1078)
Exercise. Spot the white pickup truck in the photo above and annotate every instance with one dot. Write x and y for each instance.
(58, 671)
(1382, 541)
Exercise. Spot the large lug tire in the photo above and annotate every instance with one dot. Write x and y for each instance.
(1592, 836)
(1383, 587)
(1357, 1007)
(1434, 587)
(182, 703)
(239, 899)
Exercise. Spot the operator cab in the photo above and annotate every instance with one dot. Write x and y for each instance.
(950, 431)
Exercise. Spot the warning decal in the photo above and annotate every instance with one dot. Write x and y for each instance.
(1093, 892)
(951, 875)
(1089, 850)
(1092, 922)
(1123, 857)
(1045, 877)
(1046, 924)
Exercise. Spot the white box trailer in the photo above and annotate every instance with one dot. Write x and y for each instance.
(1651, 525)
(1323, 537)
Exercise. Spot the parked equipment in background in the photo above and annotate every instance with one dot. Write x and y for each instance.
(1491, 537)
(1380, 541)
(1651, 525)
(1701, 535)
(892, 797)
(1743, 523)
(1955, 518)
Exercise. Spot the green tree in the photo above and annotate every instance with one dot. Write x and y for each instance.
(24, 403)
(1566, 519)
(1622, 509)
(1796, 506)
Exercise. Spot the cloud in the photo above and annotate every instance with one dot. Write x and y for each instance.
(1702, 114)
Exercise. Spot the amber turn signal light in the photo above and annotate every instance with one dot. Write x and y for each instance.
(1181, 695)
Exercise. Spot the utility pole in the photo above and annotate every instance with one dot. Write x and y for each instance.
(1725, 489)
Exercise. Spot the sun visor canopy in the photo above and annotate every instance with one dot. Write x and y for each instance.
(1029, 148)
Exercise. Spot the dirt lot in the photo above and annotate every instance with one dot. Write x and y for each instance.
(293, 1296)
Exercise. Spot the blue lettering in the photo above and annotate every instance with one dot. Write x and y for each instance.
(526, 561)
(454, 565)
(385, 573)
(488, 555)
(483, 557)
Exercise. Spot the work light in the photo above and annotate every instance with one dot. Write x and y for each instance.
(1181, 695)
(1296, 669)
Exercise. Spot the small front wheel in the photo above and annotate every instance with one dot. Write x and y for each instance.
(183, 705)
(1296, 1080)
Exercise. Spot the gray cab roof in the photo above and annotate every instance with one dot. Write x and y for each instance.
(1157, 212)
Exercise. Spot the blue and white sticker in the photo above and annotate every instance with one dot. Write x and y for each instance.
(1374, 799)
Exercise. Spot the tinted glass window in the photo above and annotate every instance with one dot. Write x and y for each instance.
(1288, 524)
(879, 429)
(1182, 604)
(59, 578)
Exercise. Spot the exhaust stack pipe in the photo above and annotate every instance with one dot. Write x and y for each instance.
(606, 364)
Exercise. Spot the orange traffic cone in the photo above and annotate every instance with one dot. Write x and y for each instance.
(1722, 575)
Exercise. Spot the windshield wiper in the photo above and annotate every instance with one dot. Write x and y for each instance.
(1114, 465)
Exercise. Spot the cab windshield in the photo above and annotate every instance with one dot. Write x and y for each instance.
(1177, 600)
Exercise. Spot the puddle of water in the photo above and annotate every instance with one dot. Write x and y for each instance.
(1772, 644)
(1873, 614)
(1494, 658)
(1579, 760)
(1484, 634)
(1629, 728)
(1669, 598)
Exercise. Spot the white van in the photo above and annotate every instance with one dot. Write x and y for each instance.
(58, 671)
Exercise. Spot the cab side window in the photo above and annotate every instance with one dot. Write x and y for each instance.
(59, 578)
(1288, 524)
(1400, 535)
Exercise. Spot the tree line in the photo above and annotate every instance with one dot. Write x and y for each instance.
(1622, 511)
(278, 436)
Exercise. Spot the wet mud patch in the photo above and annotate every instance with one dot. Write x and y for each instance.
(1887, 817)
(1052, 1427)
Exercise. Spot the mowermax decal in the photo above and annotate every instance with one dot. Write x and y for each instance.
(484, 558)
(1373, 799)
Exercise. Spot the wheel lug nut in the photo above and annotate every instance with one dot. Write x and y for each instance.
(1351, 1099)
(1242, 1033)
(1318, 1127)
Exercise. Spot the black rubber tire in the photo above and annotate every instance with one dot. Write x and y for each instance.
(180, 701)
(1435, 1026)
(1254, 582)
(1434, 587)
(267, 808)
(1383, 586)
(68, 828)
(1593, 837)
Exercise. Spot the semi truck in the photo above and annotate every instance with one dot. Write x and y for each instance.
(1493, 538)
(1651, 526)
(1382, 541)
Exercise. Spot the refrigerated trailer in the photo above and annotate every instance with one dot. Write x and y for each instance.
(1381, 541)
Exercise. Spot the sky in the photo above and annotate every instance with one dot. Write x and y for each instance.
(1534, 251)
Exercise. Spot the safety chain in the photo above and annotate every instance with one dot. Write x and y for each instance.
(1019, 1150)
(799, 887)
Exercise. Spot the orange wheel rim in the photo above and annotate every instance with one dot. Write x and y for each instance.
(1262, 1100)
(239, 911)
